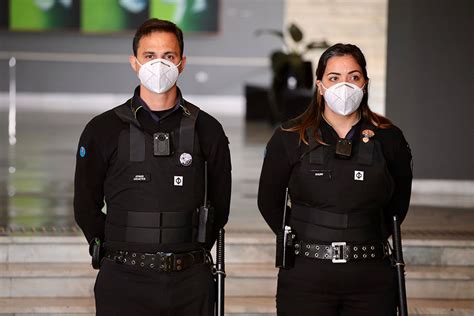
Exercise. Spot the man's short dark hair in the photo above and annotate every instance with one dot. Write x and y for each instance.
(157, 25)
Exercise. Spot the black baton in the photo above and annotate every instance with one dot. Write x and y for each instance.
(220, 272)
(400, 267)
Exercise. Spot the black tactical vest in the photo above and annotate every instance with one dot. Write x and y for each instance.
(336, 199)
(152, 201)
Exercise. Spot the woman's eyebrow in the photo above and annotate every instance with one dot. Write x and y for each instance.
(336, 73)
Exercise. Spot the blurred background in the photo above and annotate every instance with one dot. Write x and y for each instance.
(251, 64)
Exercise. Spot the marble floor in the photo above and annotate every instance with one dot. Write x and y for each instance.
(36, 179)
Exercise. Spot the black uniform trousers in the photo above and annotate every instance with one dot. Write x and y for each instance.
(322, 288)
(126, 290)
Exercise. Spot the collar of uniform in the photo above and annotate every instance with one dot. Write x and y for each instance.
(138, 101)
(330, 135)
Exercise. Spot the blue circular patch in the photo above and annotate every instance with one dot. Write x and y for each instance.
(82, 152)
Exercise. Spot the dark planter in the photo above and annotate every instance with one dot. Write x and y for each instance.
(290, 89)
(293, 76)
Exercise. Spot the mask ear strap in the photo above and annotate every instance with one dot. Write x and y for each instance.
(138, 62)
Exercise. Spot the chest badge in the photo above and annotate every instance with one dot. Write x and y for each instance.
(186, 159)
(141, 178)
(358, 175)
(178, 181)
(367, 134)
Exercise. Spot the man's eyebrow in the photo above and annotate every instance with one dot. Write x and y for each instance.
(155, 53)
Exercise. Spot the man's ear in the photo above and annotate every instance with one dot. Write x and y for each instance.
(133, 63)
(182, 65)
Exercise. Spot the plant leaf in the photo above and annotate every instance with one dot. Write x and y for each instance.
(279, 60)
(316, 45)
(268, 31)
(295, 32)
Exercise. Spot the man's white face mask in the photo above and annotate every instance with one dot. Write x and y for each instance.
(343, 98)
(158, 75)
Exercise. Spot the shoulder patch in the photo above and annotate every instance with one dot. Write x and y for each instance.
(82, 151)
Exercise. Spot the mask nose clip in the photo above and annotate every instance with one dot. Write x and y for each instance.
(164, 64)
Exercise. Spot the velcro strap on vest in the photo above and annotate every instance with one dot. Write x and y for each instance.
(334, 220)
(152, 227)
(310, 231)
(151, 235)
(153, 219)
(186, 129)
(366, 149)
(137, 138)
(137, 144)
(366, 152)
(316, 156)
(316, 150)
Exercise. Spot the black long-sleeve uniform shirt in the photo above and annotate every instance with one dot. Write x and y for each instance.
(279, 162)
(98, 148)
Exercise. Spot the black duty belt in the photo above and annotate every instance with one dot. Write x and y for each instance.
(161, 261)
(342, 252)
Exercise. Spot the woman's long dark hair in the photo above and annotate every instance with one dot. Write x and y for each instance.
(313, 114)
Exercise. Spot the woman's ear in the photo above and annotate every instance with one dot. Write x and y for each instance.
(319, 85)
(366, 86)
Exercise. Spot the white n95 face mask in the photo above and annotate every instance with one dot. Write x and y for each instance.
(158, 75)
(343, 98)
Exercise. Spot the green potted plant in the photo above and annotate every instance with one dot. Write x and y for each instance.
(290, 69)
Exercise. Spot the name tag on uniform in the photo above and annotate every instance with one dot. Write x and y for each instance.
(321, 174)
(141, 178)
(178, 181)
(358, 175)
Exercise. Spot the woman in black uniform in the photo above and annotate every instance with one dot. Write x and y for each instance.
(347, 170)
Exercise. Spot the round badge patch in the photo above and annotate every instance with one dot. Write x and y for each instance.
(186, 159)
(368, 133)
(82, 152)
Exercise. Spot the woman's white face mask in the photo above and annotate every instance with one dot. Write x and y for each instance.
(158, 75)
(343, 98)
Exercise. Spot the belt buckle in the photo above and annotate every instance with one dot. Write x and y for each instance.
(338, 252)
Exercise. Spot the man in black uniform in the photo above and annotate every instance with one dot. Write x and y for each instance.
(148, 159)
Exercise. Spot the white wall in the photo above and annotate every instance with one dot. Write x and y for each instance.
(359, 22)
